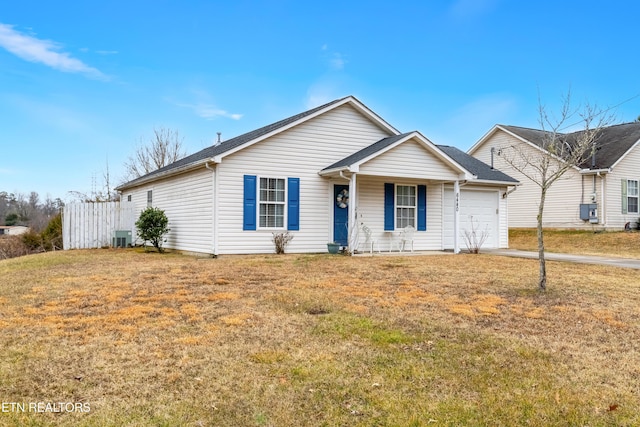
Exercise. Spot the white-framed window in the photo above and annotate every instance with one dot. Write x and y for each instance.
(632, 196)
(271, 202)
(129, 198)
(149, 198)
(406, 202)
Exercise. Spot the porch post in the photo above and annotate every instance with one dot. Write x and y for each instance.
(456, 217)
(353, 218)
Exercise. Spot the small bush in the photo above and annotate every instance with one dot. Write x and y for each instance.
(52, 234)
(281, 240)
(33, 241)
(152, 227)
(12, 247)
(474, 238)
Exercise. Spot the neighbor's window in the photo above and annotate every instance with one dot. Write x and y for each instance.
(149, 198)
(632, 196)
(405, 206)
(129, 198)
(272, 202)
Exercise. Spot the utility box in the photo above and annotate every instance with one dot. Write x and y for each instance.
(589, 212)
(121, 239)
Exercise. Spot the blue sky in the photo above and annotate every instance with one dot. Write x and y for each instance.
(83, 83)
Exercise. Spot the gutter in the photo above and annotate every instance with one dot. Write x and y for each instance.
(595, 171)
(165, 174)
(499, 183)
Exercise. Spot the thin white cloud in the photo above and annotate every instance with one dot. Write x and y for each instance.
(45, 52)
(210, 112)
(337, 61)
(322, 92)
(52, 115)
(464, 9)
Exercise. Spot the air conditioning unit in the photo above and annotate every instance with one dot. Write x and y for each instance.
(121, 239)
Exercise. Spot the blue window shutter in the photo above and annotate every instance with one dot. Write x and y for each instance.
(389, 205)
(293, 204)
(249, 216)
(422, 207)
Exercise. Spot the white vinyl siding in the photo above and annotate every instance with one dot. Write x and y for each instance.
(563, 199)
(405, 206)
(627, 168)
(409, 160)
(187, 200)
(299, 152)
(371, 213)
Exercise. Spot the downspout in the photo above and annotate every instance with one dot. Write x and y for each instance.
(456, 217)
(214, 186)
(603, 210)
(506, 193)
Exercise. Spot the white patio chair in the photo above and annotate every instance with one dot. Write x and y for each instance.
(369, 239)
(406, 236)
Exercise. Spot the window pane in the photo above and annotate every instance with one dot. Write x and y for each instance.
(632, 204)
(406, 195)
(272, 190)
(271, 215)
(405, 217)
(632, 188)
(279, 216)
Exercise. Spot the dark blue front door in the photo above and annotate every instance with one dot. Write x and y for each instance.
(341, 214)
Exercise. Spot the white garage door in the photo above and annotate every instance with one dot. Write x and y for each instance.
(481, 207)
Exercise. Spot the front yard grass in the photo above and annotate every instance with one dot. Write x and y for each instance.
(618, 243)
(313, 340)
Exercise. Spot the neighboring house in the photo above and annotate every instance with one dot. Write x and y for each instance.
(322, 175)
(13, 229)
(601, 192)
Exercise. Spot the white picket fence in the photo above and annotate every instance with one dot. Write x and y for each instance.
(92, 225)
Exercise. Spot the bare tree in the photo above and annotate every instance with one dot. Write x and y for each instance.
(164, 148)
(558, 152)
(97, 195)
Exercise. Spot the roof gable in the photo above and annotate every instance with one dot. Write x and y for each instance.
(353, 161)
(456, 159)
(612, 143)
(215, 153)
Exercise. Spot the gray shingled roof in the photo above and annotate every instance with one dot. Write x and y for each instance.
(230, 144)
(480, 169)
(612, 143)
(367, 151)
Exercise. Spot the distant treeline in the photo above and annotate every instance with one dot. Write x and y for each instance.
(28, 209)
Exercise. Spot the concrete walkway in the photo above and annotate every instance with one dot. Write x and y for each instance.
(583, 259)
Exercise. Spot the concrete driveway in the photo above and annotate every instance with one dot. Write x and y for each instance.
(583, 259)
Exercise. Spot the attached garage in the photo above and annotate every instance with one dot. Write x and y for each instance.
(482, 207)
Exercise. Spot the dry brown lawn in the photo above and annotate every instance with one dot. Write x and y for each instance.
(308, 340)
(620, 244)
